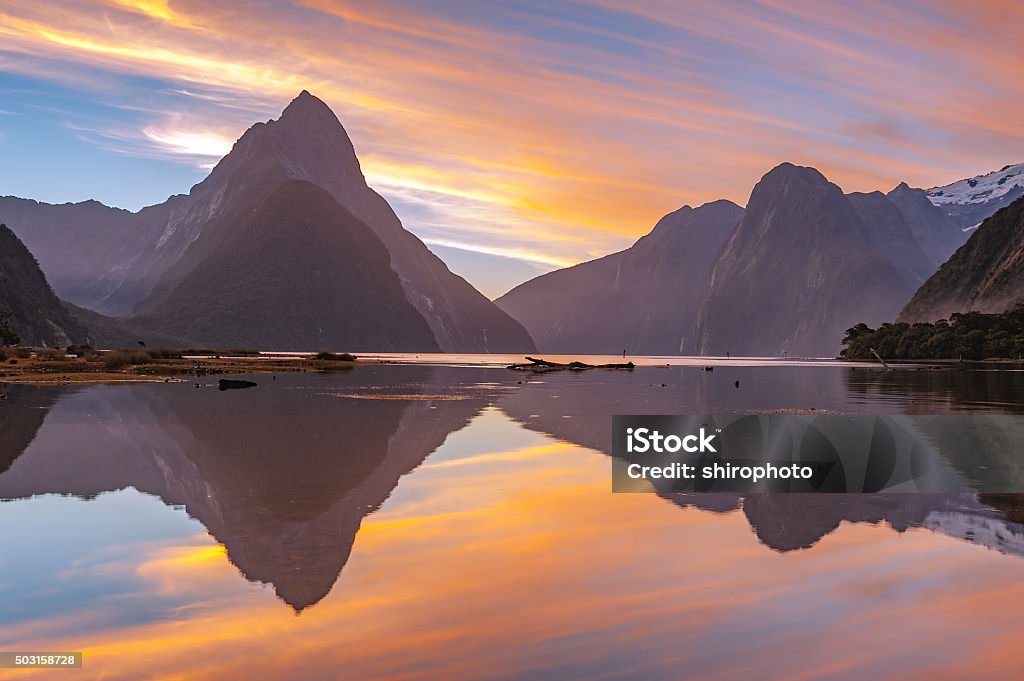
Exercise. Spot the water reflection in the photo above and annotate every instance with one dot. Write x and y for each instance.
(504, 551)
(281, 475)
(976, 387)
(21, 414)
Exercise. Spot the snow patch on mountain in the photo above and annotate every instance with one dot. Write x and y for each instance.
(981, 188)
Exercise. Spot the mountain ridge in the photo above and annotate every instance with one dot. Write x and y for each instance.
(797, 271)
(594, 307)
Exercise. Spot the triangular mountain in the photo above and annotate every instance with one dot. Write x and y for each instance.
(27, 303)
(298, 273)
(800, 268)
(986, 274)
(643, 300)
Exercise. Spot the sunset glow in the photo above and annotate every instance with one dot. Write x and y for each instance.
(542, 135)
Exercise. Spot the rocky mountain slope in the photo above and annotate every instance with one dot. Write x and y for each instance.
(986, 274)
(799, 269)
(27, 302)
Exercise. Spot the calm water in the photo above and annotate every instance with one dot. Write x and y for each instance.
(456, 521)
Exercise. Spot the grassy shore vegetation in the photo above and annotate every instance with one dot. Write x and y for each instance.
(83, 364)
(970, 335)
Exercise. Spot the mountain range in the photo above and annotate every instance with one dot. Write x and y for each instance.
(285, 246)
(347, 279)
(787, 275)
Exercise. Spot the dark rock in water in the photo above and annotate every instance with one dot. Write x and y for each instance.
(232, 384)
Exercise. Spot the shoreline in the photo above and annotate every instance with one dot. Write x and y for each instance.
(47, 367)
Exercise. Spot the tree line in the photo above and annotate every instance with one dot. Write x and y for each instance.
(967, 335)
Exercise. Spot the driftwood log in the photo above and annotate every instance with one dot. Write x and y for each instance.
(541, 366)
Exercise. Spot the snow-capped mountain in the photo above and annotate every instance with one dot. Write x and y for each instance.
(972, 200)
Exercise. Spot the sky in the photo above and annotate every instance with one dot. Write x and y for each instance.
(519, 136)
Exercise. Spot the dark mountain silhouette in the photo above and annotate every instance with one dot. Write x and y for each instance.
(298, 273)
(986, 274)
(279, 474)
(643, 299)
(136, 260)
(799, 269)
(27, 302)
(937, 233)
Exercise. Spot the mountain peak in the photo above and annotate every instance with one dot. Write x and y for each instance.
(307, 107)
(787, 179)
(788, 170)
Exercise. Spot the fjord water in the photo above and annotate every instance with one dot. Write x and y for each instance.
(452, 520)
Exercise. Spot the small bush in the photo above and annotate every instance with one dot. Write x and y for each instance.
(335, 357)
(117, 359)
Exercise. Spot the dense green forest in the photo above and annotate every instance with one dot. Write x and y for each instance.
(970, 335)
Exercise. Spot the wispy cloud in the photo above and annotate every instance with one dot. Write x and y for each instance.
(559, 132)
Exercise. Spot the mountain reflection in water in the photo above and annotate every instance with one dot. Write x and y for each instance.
(284, 475)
